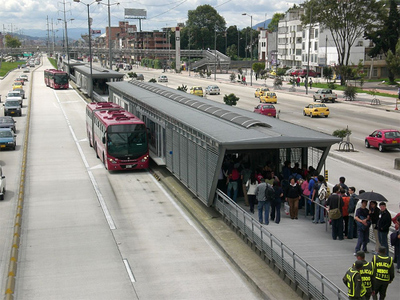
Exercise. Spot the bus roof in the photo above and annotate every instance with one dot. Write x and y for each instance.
(116, 117)
(102, 105)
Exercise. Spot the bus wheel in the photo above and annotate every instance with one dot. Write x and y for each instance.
(90, 139)
(105, 162)
(95, 149)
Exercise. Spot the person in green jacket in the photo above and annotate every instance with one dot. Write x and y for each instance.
(352, 279)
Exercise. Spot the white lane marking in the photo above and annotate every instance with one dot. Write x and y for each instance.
(129, 270)
(186, 217)
(92, 179)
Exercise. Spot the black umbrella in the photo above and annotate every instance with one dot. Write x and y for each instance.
(372, 196)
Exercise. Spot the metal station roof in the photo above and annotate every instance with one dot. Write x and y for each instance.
(98, 72)
(230, 126)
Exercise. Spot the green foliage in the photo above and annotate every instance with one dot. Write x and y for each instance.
(12, 42)
(9, 66)
(345, 20)
(350, 92)
(53, 62)
(208, 74)
(385, 32)
(258, 67)
(182, 88)
(157, 64)
(240, 71)
(280, 72)
(203, 22)
(152, 80)
(341, 133)
(232, 77)
(231, 51)
(173, 65)
(231, 99)
(393, 62)
(130, 74)
(331, 85)
(278, 81)
(273, 25)
(328, 73)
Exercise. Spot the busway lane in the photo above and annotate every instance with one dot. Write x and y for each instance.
(68, 249)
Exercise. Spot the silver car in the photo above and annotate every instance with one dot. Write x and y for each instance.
(213, 90)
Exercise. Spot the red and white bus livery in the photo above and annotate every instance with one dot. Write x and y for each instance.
(56, 79)
(118, 137)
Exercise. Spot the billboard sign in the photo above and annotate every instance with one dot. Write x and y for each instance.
(133, 13)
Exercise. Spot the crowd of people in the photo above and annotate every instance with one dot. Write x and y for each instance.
(305, 187)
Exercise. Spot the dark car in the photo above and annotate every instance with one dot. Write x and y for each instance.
(8, 122)
(266, 110)
(7, 139)
(383, 139)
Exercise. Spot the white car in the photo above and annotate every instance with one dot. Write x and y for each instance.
(213, 90)
(162, 78)
(2, 184)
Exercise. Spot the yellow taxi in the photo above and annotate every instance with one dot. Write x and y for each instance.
(196, 90)
(260, 91)
(269, 97)
(316, 110)
(17, 85)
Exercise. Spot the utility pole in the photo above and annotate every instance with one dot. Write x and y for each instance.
(48, 37)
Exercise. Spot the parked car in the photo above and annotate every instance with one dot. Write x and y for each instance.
(303, 73)
(15, 95)
(19, 80)
(8, 139)
(266, 110)
(324, 95)
(2, 184)
(8, 122)
(269, 97)
(26, 70)
(289, 71)
(162, 78)
(295, 72)
(213, 90)
(383, 139)
(260, 91)
(12, 108)
(196, 90)
(315, 110)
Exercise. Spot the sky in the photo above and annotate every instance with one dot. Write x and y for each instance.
(22, 15)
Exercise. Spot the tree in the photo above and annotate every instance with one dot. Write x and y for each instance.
(12, 42)
(345, 20)
(203, 22)
(232, 51)
(393, 60)
(257, 67)
(386, 33)
(231, 99)
(273, 25)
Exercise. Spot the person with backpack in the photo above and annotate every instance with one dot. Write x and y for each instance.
(293, 195)
(310, 204)
(319, 197)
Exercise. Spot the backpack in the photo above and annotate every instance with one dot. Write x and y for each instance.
(393, 238)
(269, 193)
(235, 175)
(323, 192)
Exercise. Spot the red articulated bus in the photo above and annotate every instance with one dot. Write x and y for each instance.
(56, 79)
(118, 137)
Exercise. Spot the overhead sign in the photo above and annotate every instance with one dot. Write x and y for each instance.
(133, 13)
(96, 31)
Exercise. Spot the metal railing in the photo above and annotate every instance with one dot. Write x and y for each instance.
(309, 280)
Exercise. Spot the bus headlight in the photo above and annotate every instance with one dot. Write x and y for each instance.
(144, 159)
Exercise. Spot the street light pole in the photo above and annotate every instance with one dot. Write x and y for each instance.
(90, 87)
(251, 47)
(109, 32)
(309, 52)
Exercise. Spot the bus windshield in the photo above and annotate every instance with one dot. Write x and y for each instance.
(60, 79)
(127, 141)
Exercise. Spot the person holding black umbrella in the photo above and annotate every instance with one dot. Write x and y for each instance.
(384, 222)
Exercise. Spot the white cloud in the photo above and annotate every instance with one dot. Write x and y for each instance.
(32, 14)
